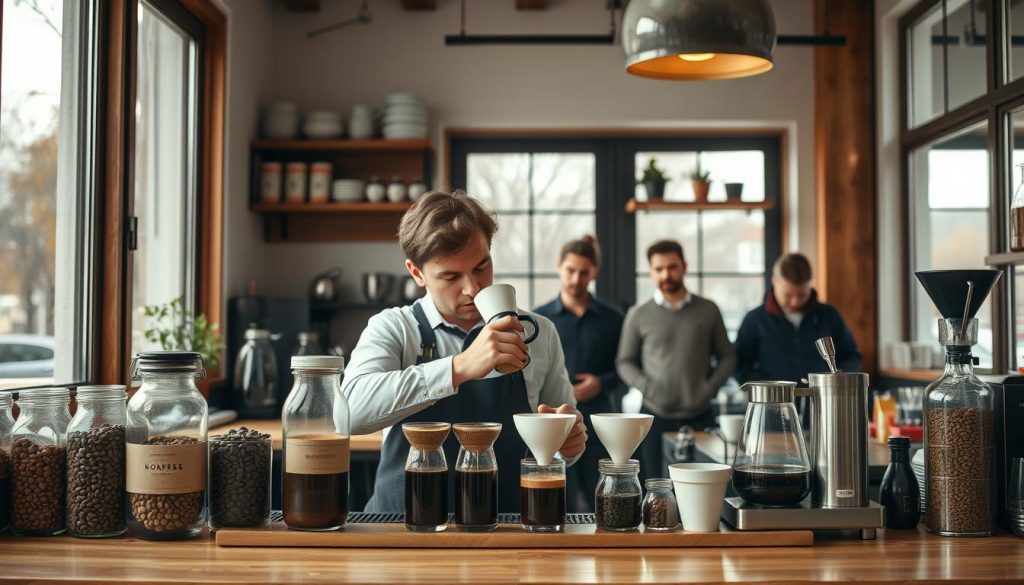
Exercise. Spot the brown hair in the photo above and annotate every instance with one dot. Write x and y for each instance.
(794, 267)
(586, 246)
(441, 223)
(665, 247)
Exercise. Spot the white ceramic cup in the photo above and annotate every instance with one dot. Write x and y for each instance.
(700, 492)
(544, 433)
(731, 426)
(499, 300)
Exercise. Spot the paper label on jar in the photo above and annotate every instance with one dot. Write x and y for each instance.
(316, 454)
(845, 493)
(165, 469)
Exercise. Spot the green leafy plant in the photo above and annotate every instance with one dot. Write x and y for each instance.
(699, 173)
(176, 328)
(652, 174)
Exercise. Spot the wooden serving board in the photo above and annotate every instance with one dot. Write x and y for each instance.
(504, 536)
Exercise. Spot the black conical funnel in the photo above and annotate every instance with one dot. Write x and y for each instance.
(948, 289)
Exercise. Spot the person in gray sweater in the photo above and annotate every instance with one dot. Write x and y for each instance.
(675, 350)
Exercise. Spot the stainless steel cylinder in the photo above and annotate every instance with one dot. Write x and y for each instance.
(839, 439)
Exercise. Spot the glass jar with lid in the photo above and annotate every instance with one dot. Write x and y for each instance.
(426, 476)
(166, 447)
(315, 427)
(660, 510)
(38, 462)
(476, 476)
(618, 496)
(96, 462)
(6, 426)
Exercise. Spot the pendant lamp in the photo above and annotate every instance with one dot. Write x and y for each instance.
(698, 39)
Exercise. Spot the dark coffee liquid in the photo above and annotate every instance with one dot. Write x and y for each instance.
(772, 485)
(426, 498)
(314, 501)
(542, 501)
(476, 498)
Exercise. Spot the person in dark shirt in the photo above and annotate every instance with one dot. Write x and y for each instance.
(589, 330)
(776, 340)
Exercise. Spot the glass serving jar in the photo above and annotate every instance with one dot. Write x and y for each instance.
(542, 495)
(316, 426)
(426, 476)
(166, 447)
(771, 466)
(240, 479)
(6, 426)
(617, 497)
(660, 510)
(96, 462)
(38, 462)
(476, 476)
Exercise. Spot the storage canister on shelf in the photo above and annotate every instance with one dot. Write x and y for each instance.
(38, 462)
(319, 182)
(270, 182)
(96, 462)
(295, 182)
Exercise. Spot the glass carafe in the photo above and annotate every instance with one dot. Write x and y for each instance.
(426, 477)
(1017, 216)
(256, 380)
(476, 476)
(771, 466)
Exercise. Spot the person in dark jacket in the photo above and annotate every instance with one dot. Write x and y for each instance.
(776, 340)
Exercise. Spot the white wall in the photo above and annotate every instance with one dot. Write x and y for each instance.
(482, 87)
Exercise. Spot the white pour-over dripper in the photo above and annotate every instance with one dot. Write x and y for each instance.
(544, 433)
(620, 433)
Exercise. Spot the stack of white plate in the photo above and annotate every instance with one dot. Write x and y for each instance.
(917, 464)
(405, 116)
(347, 190)
(323, 124)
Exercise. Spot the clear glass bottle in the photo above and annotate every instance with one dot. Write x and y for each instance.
(771, 466)
(426, 477)
(96, 462)
(166, 465)
(660, 509)
(39, 461)
(1017, 215)
(476, 476)
(315, 427)
(6, 427)
(542, 495)
(899, 492)
(959, 478)
(618, 496)
(256, 380)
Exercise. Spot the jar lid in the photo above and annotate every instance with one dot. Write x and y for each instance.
(101, 391)
(659, 483)
(770, 391)
(167, 362)
(899, 441)
(271, 165)
(609, 466)
(257, 334)
(43, 394)
(319, 362)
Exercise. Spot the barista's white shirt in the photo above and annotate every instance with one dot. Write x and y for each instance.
(384, 384)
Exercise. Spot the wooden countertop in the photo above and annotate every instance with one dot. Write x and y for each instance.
(272, 427)
(895, 558)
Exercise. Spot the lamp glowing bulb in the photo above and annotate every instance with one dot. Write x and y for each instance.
(697, 56)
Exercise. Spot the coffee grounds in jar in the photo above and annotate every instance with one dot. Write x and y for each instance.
(959, 482)
(240, 478)
(37, 498)
(96, 467)
(618, 511)
(660, 513)
(166, 513)
(5, 487)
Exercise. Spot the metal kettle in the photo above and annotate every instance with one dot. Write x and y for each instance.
(324, 286)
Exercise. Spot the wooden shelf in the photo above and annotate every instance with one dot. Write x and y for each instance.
(331, 222)
(632, 206)
(362, 207)
(339, 144)
(915, 375)
(1004, 259)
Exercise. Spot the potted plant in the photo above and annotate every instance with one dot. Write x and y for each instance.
(701, 180)
(653, 181)
(175, 328)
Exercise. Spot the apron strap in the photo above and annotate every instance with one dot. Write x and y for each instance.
(428, 341)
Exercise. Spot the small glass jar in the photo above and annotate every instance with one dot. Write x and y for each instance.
(660, 510)
(618, 496)
(426, 477)
(96, 462)
(240, 479)
(476, 476)
(396, 190)
(38, 462)
(315, 427)
(270, 182)
(542, 495)
(319, 182)
(6, 426)
(166, 447)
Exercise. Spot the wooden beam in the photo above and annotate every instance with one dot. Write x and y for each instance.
(844, 152)
(427, 5)
(531, 4)
(302, 5)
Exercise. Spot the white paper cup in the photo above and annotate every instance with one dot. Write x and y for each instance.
(700, 492)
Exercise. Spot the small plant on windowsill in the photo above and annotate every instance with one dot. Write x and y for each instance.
(700, 179)
(653, 181)
(176, 328)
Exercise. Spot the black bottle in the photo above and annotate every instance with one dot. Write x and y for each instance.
(900, 493)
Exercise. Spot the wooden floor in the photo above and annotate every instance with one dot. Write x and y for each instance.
(893, 558)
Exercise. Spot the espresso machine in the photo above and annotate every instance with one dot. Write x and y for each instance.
(838, 460)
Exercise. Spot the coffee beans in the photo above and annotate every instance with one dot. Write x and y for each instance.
(618, 511)
(240, 479)
(96, 462)
(164, 514)
(960, 475)
(5, 487)
(37, 501)
(660, 513)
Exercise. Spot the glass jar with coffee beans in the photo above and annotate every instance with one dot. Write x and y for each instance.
(660, 509)
(96, 466)
(618, 495)
(6, 426)
(240, 463)
(38, 460)
(165, 467)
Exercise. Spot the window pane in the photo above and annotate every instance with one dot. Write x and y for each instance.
(1016, 51)
(165, 178)
(544, 290)
(522, 286)
(926, 67)
(736, 166)
(499, 181)
(510, 249)
(1018, 317)
(735, 297)
(550, 232)
(680, 226)
(676, 167)
(733, 241)
(563, 181)
(966, 56)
